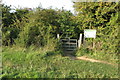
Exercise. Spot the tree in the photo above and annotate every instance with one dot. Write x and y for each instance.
(102, 16)
(11, 24)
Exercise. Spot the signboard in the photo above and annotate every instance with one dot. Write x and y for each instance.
(89, 33)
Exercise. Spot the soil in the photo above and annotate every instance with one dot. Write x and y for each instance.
(88, 59)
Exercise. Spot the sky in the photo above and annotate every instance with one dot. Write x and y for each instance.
(67, 4)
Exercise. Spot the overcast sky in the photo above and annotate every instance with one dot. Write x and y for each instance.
(67, 4)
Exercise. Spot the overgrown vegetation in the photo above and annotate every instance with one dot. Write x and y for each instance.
(31, 46)
(104, 17)
(19, 62)
(36, 27)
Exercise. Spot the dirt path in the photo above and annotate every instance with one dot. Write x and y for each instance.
(89, 59)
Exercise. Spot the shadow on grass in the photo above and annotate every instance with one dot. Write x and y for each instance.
(69, 53)
(50, 53)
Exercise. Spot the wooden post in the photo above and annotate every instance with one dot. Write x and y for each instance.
(84, 42)
(58, 36)
(93, 43)
(79, 41)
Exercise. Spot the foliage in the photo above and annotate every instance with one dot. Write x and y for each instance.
(29, 63)
(11, 24)
(102, 16)
(65, 24)
(36, 27)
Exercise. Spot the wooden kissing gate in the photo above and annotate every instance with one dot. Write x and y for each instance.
(69, 45)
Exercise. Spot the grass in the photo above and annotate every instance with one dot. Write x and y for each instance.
(29, 63)
(111, 58)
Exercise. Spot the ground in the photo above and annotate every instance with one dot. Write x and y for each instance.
(27, 63)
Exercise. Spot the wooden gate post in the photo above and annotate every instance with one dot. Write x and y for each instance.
(58, 36)
(79, 41)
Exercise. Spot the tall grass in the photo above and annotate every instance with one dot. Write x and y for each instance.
(112, 58)
(19, 62)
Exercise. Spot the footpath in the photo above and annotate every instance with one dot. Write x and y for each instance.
(88, 59)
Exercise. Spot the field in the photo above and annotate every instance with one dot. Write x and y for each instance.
(36, 41)
(30, 63)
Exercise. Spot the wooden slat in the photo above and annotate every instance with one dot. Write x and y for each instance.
(69, 46)
(69, 43)
(68, 39)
